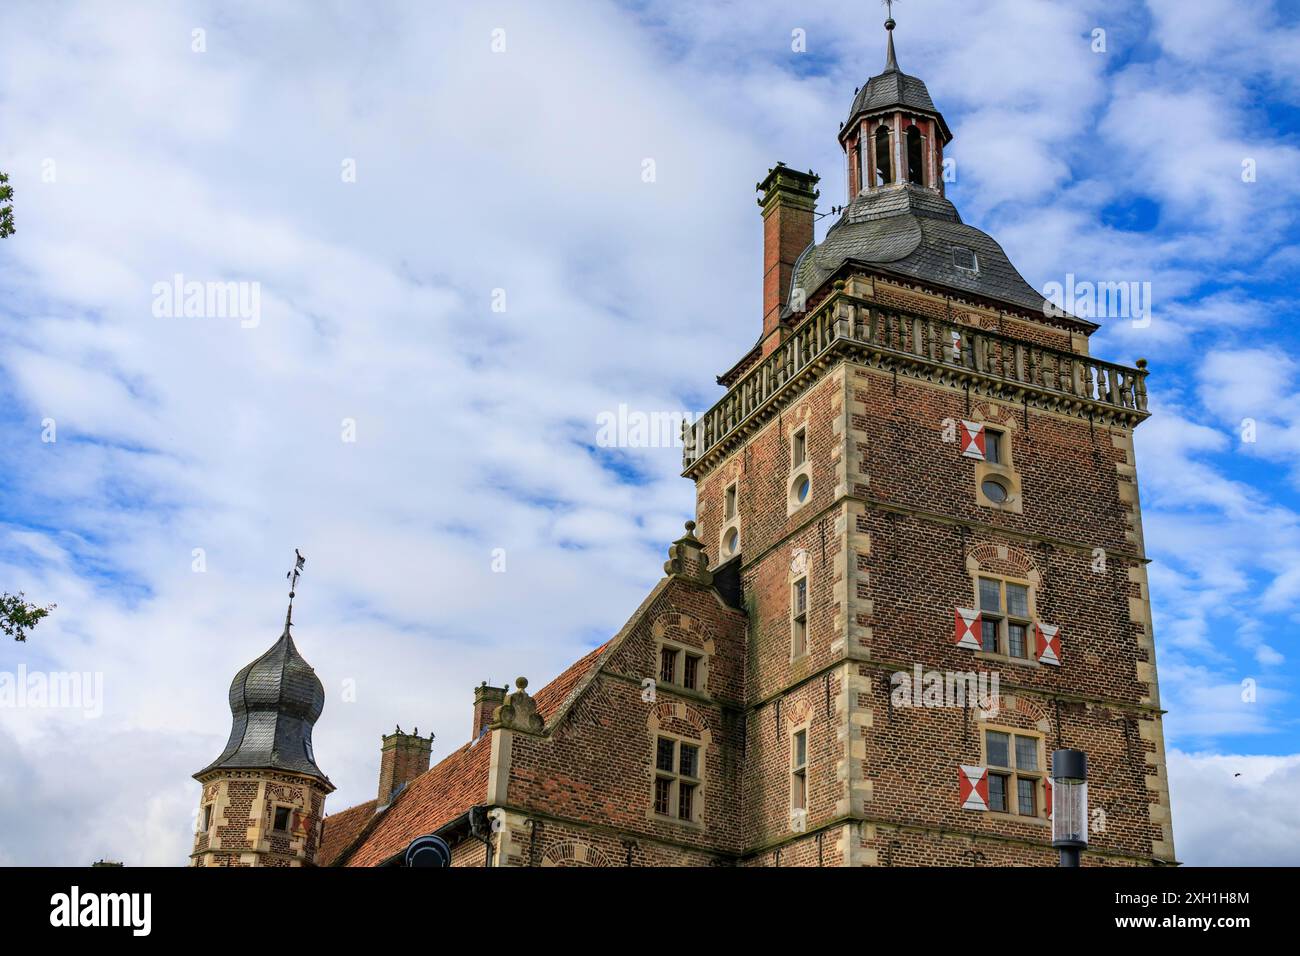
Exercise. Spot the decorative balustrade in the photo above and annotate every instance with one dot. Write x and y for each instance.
(915, 341)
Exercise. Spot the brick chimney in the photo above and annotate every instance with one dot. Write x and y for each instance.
(788, 199)
(402, 758)
(486, 700)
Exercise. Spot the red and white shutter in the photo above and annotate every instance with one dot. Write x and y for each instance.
(966, 632)
(972, 440)
(973, 787)
(1048, 640)
(954, 347)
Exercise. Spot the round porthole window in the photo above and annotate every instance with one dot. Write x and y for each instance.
(994, 491)
(801, 488)
(732, 541)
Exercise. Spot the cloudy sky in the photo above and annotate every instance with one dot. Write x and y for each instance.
(461, 264)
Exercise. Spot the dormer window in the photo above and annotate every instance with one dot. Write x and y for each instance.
(965, 259)
(884, 168)
(915, 156)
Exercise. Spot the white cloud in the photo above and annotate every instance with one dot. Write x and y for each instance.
(1235, 810)
(479, 171)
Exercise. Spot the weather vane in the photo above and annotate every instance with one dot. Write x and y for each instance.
(889, 9)
(292, 577)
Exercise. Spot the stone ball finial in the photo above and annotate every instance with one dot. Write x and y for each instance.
(1142, 363)
(690, 527)
(521, 683)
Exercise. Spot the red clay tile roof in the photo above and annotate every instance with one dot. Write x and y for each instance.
(434, 798)
(554, 695)
(342, 828)
(457, 783)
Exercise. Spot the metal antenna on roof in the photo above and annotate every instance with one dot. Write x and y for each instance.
(292, 576)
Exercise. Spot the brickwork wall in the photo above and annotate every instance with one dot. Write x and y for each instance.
(811, 706)
(243, 806)
(827, 847)
(541, 841)
(598, 764)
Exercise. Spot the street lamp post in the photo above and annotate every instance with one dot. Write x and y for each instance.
(1069, 804)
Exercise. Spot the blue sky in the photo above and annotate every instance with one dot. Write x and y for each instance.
(135, 157)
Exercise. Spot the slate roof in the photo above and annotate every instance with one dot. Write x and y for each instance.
(890, 90)
(894, 89)
(274, 703)
(913, 231)
(443, 792)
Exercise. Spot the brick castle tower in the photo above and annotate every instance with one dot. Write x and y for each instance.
(928, 483)
(264, 798)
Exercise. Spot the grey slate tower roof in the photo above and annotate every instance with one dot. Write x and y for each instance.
(893, 89)
(910, 230)
(274, 702)
(913, 231)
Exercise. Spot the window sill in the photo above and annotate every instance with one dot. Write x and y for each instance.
(1032, 821)
(665, 818)
(682, 691)
(1005, 659)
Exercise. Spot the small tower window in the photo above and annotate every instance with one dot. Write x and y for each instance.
(884, 169)
(799, 771)
(915, 156)
(729, 509)
(995, 491)
(207, 818)
(992, 446)
(283, 818)
(799, 451)
(799, 618)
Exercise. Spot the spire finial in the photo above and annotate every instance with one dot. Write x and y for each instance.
(292, 576)
(891, 60)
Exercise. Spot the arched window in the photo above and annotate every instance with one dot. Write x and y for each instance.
(915, 157)
(884, 168)
(858, 148)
